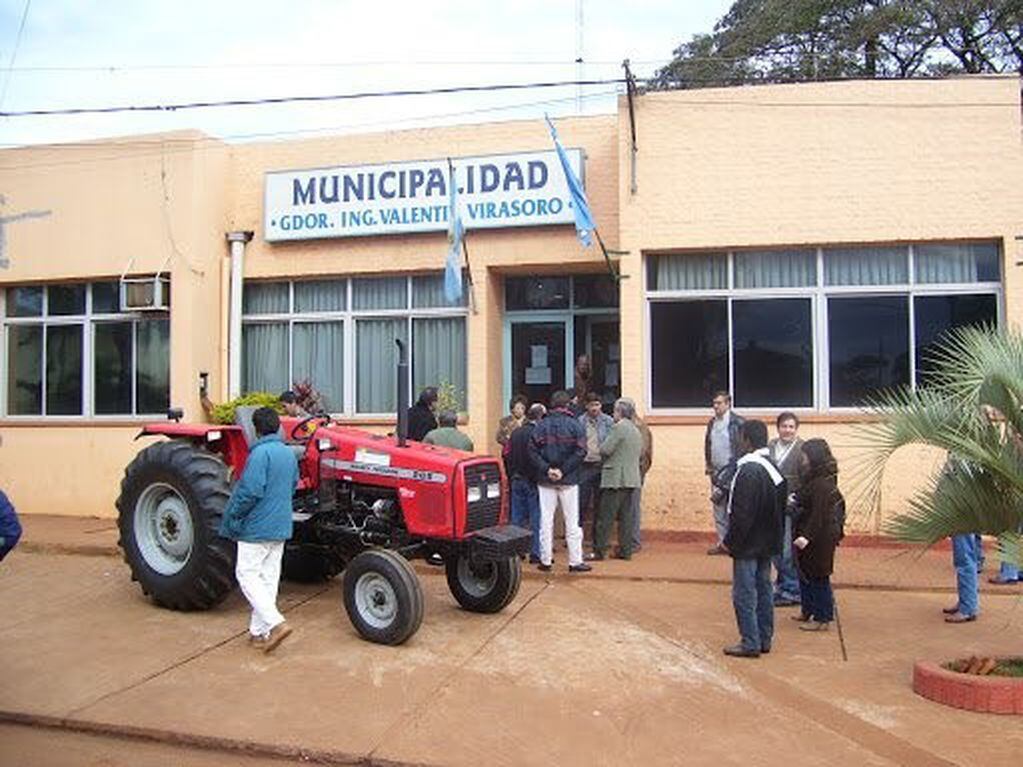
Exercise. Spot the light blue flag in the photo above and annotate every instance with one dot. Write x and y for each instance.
(580, 207)
(453, 265)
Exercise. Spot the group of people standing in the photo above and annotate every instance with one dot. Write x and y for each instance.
(774, 503)
(588, 463)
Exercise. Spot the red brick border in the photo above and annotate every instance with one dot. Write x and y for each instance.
(986, 694)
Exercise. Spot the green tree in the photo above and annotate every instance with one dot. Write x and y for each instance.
(795, 40)
(971, 406)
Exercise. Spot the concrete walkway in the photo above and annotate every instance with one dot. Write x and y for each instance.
(619, 667)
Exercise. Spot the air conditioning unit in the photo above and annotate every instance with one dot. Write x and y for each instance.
(145, 294)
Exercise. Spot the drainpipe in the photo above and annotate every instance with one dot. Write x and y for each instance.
(234, 341)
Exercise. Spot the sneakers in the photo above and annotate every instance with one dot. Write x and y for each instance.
(814, 626)
(998, 580)
(277, 634)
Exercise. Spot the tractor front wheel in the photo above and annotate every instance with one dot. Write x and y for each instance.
(172, 498)
(383, 597)
(484, 587)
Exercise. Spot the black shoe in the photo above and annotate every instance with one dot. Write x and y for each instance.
(544, 568)
(738, 651)
(780, 601)
(580, 568)
(533, 559)
(595, 556)
(950, 610)
(626, 557)
(765, 649)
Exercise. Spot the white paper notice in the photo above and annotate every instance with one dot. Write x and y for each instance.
(539, 376)
(538, 358)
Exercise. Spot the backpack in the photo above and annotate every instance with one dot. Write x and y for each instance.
(838, 517)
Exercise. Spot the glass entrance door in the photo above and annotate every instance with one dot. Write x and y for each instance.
(539, 358)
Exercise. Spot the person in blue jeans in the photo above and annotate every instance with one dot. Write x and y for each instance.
(1008, 572)
(525, 499)
(755, 508)
(965, 554)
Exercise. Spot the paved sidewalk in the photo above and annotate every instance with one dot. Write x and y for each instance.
(619, 667)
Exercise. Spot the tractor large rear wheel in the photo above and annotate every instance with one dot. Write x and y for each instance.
(485, 587)
(383, 597)
(172, 498)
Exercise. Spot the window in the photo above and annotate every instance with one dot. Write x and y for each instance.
(72, 352)
(810, 328)
(338, 334)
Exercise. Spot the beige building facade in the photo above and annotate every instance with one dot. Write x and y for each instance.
(797, 245)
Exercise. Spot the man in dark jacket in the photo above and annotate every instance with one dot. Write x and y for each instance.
(421, 419)
(755, 519)
(525, 501)
(258, 517)
(720, 449)
(10, 527)
(556, 449)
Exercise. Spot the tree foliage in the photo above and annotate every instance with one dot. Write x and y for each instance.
(972, 408)
(795, 40)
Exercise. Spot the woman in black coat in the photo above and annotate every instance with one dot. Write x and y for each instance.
(421, 419)
(815, 536)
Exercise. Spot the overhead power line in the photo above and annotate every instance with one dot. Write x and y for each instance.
(307, 99)
(14, 53)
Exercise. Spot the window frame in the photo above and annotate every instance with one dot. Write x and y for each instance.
(818, 295)
(349, 317)
(87, 322)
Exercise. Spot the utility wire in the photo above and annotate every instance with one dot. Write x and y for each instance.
(307, 99)
(14, 53)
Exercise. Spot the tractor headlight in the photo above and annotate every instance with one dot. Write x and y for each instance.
(494, 490)
(474, 494)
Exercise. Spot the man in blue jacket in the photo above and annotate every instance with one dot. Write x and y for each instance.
(258, 517)
(10, 527)
(556, 449)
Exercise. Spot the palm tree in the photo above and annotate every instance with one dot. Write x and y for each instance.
(971, 406)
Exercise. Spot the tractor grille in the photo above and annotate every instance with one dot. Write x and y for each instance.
(486, 512)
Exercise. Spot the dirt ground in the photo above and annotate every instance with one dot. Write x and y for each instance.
(621, 667)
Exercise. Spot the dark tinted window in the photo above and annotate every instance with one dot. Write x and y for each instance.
(773, 353)
(24, 302)
(595, 291)
(536, 293)
(64, 370)
(868, 340)
(66, 299)
(112, 376)
(153, 366)
(25, 369)
(936, 315)
(106, 298)
(689, 352)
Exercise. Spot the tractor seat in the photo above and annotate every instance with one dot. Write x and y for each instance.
(243, 418)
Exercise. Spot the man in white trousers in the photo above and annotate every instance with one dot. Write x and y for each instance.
(557, 447)
(258, 517)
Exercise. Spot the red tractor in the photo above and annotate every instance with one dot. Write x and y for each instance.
(365, 504)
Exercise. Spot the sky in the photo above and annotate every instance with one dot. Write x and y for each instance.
(97, 53)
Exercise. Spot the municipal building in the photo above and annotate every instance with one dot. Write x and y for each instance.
(798, 245)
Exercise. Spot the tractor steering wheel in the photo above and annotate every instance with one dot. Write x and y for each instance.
(299, 432)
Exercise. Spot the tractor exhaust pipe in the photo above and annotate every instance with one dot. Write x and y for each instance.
(402, 392)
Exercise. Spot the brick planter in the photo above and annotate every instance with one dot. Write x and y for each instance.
(986, 694)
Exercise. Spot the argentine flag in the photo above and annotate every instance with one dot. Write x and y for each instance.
(580, 207)
(453, 265)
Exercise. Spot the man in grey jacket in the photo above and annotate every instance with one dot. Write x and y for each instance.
(619, 480)
(720, 448)
(597, 425)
